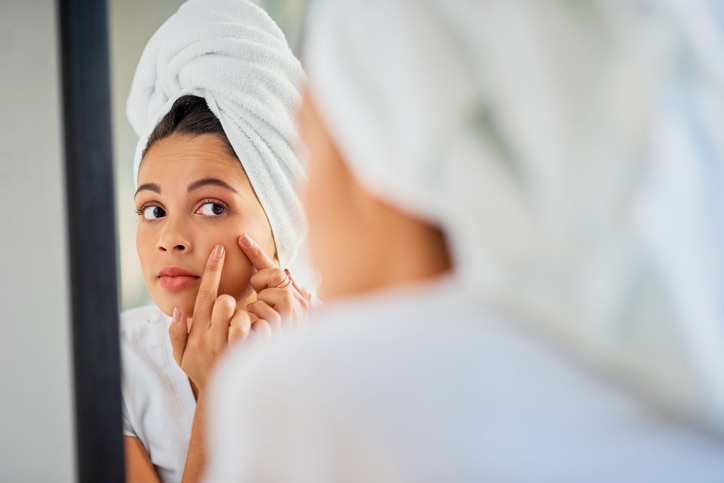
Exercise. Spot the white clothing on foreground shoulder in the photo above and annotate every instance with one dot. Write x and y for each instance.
(425, 385)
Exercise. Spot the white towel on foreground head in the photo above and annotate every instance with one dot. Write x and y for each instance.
(231, 53)
(572, 152)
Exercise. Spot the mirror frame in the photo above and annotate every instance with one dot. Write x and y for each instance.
(91, 235)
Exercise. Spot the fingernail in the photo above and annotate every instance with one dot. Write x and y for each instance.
(176, 316)
(218, 252)
(247, 241)
(289, 274)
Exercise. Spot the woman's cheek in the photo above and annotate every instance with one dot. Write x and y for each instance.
(236, 275)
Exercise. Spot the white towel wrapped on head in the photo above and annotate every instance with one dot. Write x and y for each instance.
(232, 54)
(572, 154)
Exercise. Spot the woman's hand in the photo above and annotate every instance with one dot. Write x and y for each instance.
(279, 298)
(217, 319)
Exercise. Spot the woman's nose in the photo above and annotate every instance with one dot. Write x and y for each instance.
(173, 237)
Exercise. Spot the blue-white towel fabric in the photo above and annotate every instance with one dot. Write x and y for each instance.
(572, 152)
(231, 53)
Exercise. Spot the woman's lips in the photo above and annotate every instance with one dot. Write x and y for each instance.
(175, 278)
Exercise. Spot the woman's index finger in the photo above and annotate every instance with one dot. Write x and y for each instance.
(255, 254)
(209, 287)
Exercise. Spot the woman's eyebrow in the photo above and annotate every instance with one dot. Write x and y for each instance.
(210, 181)
(148, 187)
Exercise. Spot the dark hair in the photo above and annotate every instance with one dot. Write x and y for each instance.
(191, 116)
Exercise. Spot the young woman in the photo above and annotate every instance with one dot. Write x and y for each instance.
(212, 102)
(510, 204)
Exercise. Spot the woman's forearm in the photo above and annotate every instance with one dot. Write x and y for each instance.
(196, 457)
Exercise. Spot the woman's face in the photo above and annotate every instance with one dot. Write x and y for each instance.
(193, 194)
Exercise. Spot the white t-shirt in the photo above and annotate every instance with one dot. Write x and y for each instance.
(424, 385)
(158, 404)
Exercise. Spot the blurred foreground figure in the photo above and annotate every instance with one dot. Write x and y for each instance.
(516, 209)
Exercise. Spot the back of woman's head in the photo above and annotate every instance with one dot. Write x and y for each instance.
(571, 154)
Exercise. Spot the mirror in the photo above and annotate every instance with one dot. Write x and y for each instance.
(131, 24)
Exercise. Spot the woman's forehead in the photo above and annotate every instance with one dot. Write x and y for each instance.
(177, 157)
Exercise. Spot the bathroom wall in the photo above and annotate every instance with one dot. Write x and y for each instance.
(36, 415)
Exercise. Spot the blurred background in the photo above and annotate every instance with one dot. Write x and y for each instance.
(131, 24)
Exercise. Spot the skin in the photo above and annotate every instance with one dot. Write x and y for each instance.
(358, 242)
(182, 181)
(198, 212)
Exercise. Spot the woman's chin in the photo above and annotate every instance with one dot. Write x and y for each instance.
(167, 307)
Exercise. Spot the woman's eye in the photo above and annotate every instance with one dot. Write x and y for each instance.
(211, 209)
(152, 212)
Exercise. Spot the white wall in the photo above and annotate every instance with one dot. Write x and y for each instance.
(36, 411)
